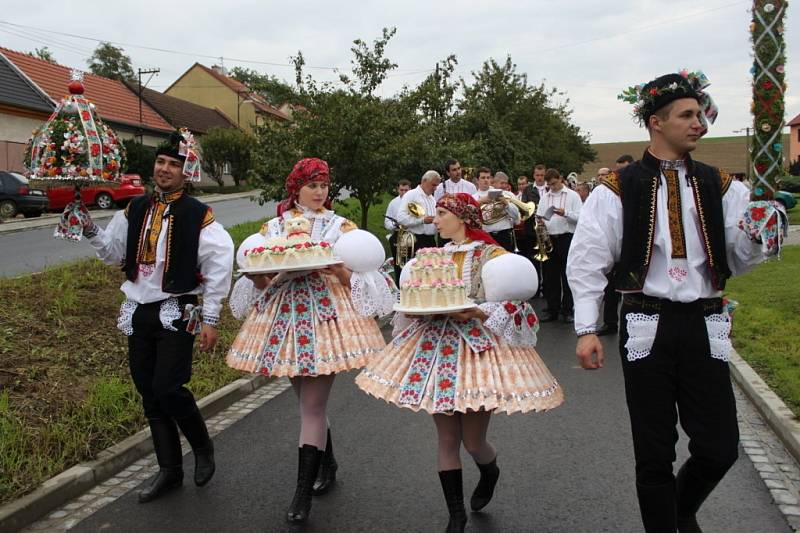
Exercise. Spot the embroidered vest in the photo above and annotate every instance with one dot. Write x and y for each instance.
(637, 186)
(187, 216)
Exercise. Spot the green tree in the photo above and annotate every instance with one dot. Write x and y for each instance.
(229, 147)
(140, 159)
(509, 124)
(271, 88)
(368, 141)
(110, 61)
(43, 53)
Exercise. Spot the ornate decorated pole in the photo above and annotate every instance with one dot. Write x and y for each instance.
(74, 146)
(768, 90)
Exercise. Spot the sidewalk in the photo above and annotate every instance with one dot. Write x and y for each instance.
(50, 219)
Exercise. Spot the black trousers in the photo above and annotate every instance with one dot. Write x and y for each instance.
(556, 287)
(161, 362)
(678, 380)
(393, 246)
(504, 238)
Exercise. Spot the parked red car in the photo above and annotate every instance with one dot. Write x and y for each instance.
(103, 195)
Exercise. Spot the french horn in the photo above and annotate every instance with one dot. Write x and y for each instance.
(406, 241)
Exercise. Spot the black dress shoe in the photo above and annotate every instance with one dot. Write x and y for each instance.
(167, 480)
(549, 317)
(607, 329)
(167, 444)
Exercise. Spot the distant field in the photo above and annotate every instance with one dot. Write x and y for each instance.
(727, 153)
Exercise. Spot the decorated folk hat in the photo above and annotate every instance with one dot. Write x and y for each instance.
(182, 146)
(648, 98)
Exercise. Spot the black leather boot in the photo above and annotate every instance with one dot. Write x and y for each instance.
(453, 488)
(657, 505)
(485, 490)
(692, 490)
(326, 477)
(167, 444)
(195, 430)
(309, 458)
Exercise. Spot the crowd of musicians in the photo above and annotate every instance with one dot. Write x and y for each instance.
(534, 217)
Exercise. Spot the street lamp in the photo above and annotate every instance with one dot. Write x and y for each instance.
(747, 133)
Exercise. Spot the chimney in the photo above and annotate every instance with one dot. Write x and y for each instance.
(220, 69)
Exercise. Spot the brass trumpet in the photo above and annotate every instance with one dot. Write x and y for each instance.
(495, 211)
(544, 246)
(405, 239)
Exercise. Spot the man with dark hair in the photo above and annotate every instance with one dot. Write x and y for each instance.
(454, 183)
(559, 208)
(670, 224)
(533, 193)
(172, 252)
(390, 222)
(623, 161)
(498, 214)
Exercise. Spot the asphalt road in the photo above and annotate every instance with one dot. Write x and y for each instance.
(33, 250)
(569, 470)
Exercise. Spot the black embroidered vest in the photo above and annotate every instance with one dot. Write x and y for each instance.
(637, 186)
(184, 221)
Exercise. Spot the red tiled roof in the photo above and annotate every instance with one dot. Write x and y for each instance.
(795, 121)
(114, 101)
(235, 85)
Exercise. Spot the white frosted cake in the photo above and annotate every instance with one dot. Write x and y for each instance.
(433, 283)
(289, 255)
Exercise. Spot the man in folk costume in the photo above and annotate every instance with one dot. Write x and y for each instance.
(172, 252)
(668, 226)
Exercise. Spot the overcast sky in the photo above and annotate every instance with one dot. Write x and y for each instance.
(590, 49)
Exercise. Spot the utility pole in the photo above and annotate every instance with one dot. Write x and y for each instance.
(152, 72)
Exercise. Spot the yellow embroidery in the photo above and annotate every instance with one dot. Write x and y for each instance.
(675, 214)
(208, 218)
(702, 216)
(347, 225)
(725, 181)
(612, 182)
(652, 225)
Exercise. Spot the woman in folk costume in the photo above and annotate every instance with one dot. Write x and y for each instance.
(463, 367)
(310, 325)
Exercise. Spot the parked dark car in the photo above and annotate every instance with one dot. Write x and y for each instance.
(16, 196)
(103, 195)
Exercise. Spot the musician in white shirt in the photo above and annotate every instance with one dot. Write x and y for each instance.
(501, 230)
(422, 195)
(454, 183)
(391, 224)
(559, 207)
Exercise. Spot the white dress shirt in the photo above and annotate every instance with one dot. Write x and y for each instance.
(565, 199)
(214, 258)
(450, 187)
(597, 245)
(512, 215)
(391, 211)
(412, 223)
(541, 188)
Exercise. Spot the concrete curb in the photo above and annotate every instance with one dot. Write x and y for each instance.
(51, 220)
(74, 481)
(779, 417)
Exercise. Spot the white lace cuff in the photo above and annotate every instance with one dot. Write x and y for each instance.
(243, 296)
(514, 321)
(373, 293)
(719, 331)
(125, 318)
(641, 335)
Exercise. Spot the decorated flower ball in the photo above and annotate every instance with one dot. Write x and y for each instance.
(253, 241)
(501, 277)
(360, 250)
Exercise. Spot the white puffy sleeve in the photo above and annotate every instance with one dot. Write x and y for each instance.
(742, 252)
(215, 257)
(595, 247)
(109, 243)
(372, 291)
(243, 296)
(509, 281)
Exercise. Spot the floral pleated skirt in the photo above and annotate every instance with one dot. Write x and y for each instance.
(305, 329)
(447, 372)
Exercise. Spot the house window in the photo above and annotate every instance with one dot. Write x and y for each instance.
(226, 168)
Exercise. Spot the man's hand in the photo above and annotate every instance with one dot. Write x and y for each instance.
(558, 211)
(208, 337)
(590, 352)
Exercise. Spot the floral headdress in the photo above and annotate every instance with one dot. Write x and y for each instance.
(467, 210)
(647, 98)
(304, 172)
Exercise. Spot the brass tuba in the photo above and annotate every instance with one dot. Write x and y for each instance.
(405, 239)
(495, 211)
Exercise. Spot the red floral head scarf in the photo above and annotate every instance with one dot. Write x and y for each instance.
(304, 172)
(468, 211)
